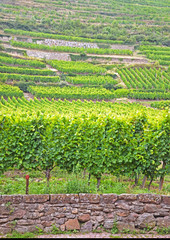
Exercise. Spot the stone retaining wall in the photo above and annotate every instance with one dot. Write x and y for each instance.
(49, 55)
(84, 212)
(53, 42)
(57, 42)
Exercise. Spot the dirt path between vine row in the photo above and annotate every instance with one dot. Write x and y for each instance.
(104, 235)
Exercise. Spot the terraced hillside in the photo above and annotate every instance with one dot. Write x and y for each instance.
(71, 73)
(124, 21)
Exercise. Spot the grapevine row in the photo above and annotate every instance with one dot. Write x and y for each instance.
(55, 36)
(10, 91)
(76, 67)
(144, 78)
(94, 93)
(71, 49)
(101, 143)
(28, 78)
(22, 62)
(29, 71)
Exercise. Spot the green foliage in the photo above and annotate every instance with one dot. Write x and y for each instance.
(28, 78)
(128, 22)
(29, 71)
(161, 104)
(71, 92)
(55, 230)
(10, 91)
(24, 85)
(16, 234)
(22, 62)
(119, 143)
(55, 36)
(163, 230)
(145, 78)
(77, 186)
(141, 94)
(76, 67)
(114, 229)
(157, 53)
(71, 49)
(91, 80)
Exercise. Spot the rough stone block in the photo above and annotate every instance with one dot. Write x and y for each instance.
(47, 223)
(84, 218)
(108, 198)
(74, 211)
(137, 207)
(89, 198)
(122, 213)
(111, 215)
(108, 223)
(36, 198)
(34, 215)
(24, 222)
(151, 208)
(87, 227)
(3, 220)
(95, 207)
(24, 229)
(100, 219)
(163, 221)
(95, 213)
(161, 213)
(4, 230)
(122, 204)
(5, 210)
(146, 220)
(60, 221)
(62, 227)
(72, 224)
(132, 217)
(128, 197)
(70, 215)
(166, 200)
(11, 199)
(149, 198)
(17, 214)
(64, 198)
(124, 225)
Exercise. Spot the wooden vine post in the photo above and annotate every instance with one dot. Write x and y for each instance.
(162, 178)
(27, 183)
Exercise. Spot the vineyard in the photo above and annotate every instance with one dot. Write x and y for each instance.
(9, 91)
(93, 93)
(145, 78)
(29, 78)
(76, 67)
(92, 80)
(160, 54)
(71, 49)
(55, 36)
(30, 71)
(119, 21)
(21, 62)
(101, 137)
(87, 87)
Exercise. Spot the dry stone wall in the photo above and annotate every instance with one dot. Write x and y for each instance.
(84, 212)
(48, 55)
(53, 42)
(58, 42)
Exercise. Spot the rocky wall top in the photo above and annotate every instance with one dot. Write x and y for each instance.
(84, 212)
